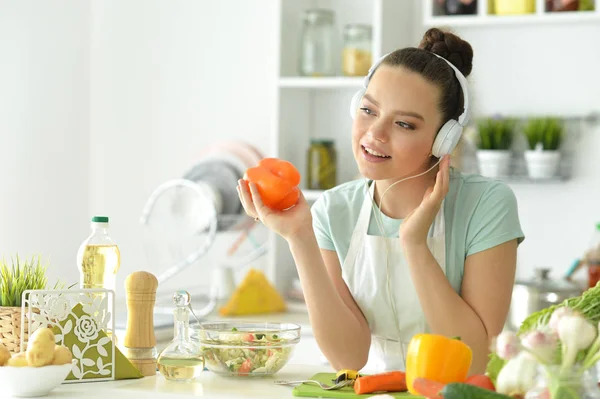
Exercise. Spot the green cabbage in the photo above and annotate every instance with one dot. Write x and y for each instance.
(588, 304)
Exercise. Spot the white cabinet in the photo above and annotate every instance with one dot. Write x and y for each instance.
(318, 107)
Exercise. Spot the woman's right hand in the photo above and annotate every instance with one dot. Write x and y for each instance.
(285, 223)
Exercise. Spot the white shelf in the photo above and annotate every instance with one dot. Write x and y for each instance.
(318, 107)
(321, 83)
(487, 20)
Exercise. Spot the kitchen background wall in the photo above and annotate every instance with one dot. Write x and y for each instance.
(101, 101)
(45, 130)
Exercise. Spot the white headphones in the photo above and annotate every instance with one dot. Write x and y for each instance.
(449, 134)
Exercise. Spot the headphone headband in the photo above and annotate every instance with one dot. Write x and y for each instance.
(464, 118)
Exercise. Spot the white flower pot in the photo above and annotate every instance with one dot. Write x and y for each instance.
(494, 163)
(542, 164)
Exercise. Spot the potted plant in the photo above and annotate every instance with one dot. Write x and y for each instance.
(495, 138)
(19, 276)
(544, 137)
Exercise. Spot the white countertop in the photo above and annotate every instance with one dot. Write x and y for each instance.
(208, 385)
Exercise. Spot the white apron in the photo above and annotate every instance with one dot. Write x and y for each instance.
(365, 271)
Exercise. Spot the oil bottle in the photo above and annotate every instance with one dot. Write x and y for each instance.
(182, 359)
(98, 257)
(99, 260)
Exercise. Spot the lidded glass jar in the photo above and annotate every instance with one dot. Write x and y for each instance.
(318, 43)
(357, 53)
(322, 165)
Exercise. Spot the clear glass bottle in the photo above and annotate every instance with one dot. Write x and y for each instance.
(357, 54)
(182, 359)
(98, 257)
(318, 45)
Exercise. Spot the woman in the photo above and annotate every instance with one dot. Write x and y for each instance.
(436, 253)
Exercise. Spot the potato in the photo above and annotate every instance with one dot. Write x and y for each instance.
(40, 353)
(42, 334)
(18, 360)
(4, 355)
(62, 355)
(40, 348)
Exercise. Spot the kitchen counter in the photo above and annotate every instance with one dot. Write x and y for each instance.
(208, 385)
(306, 361)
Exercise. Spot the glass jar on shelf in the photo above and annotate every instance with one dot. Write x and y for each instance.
(562, 5)
(322, 165)
(357, 54)
(318, 43)
(460, 7)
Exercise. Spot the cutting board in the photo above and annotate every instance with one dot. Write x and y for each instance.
(313, 391)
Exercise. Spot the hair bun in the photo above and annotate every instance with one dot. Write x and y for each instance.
(449, 46)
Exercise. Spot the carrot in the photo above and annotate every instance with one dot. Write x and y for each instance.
(392, 381)
(428, 388)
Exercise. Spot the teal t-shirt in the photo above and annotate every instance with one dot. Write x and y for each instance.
(480, 213)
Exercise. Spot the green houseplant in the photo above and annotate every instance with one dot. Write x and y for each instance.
(16, 277)
(544, 137)
(494, 141)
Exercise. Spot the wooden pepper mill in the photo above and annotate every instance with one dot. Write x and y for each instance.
(140, 342)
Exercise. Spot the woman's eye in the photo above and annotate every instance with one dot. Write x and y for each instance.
(366, 110)
(405, 125)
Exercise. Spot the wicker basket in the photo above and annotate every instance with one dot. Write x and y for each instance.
(10, 328)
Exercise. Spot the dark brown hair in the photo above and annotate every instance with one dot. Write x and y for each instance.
(420, 60)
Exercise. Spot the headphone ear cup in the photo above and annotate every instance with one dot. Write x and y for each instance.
(447, 139)
(354, 104)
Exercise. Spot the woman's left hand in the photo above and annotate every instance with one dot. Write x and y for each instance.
(415, 226)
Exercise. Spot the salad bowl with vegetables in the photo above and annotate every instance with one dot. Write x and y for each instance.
(246, 349)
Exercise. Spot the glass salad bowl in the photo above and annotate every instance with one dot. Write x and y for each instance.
(245, 349)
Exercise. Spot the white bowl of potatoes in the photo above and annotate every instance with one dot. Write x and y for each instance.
(38, 370)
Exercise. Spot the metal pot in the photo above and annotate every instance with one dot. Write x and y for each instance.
(536, 294)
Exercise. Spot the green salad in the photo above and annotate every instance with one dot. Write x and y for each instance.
(246, 353)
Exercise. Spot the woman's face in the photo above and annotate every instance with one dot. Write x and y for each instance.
(396, 124)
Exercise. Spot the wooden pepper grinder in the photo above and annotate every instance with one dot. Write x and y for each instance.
(140, 342)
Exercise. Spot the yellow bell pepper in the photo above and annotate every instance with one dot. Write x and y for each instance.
(437, 358)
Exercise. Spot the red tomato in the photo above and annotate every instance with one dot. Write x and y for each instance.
(428, 388)
(248, 337)
(245, 367)
(277, 182)
(482, 381)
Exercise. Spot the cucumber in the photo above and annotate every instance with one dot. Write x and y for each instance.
(457, 390)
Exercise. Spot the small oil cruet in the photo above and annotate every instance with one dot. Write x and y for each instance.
(182, 359)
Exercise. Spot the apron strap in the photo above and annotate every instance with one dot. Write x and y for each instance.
(361, 228)
(439, 231)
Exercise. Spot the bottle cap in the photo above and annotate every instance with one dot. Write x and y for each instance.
(100, 219)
